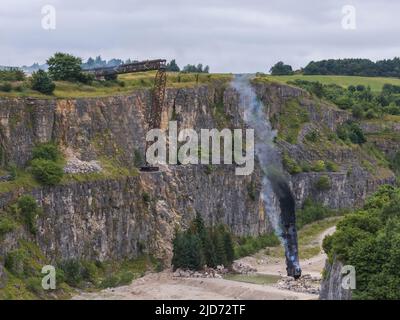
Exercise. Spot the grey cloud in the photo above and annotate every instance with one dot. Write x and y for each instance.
(229, 35)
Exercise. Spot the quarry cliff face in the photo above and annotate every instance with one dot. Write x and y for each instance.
(124, 216)
(118, 217)
(308, 128)
(331, 285)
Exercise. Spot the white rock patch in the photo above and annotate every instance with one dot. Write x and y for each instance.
(74, 165)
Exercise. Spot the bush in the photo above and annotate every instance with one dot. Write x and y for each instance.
(26, 261)
(110, 282)
(250, 245)
(310, 212)
(15, 262)
(86, 78)
(34, 284)
(41, 82)
(312, 136)
(13, 74)
(351, 131)
(331, 166)
(6, 224)
(6, 87)
(323, 183)
(29, 211)
(73, 272)
(318, 166)
(47, 172)
(47, 151)
(146, 197)
(290, 165)
(12, 168)
(63, 66)
(111, 77)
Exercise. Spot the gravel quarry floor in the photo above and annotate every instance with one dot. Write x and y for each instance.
(163, 285)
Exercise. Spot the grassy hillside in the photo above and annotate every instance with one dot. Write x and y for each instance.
(125, 84)
(376, 84)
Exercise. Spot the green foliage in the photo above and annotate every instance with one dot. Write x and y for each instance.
(354, 67)
(137, 159)
(196, 69)
(312, 136)
(172, 66)
(76, 271)
(359, 99)
(47, 151)
(41, 82)
(351, 131)
(12, 74)
(200, 245)
(12, 168)
(30, 211)
(280, 69)
(318, 166)
(395, 163)
(187, 251)
(47, 172)
(46, 164)
(252, 190)
(25, 261)
(331, 166)
(323, 183)
(312, 211)
(83, 273)
(6, 224)
(249, 245)
(290, 164)
(111, 77)
(369, 240)
(290, 120)
(146, 197)
(63, 66)
(6, 87)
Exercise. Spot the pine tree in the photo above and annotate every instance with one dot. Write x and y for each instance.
(220, 246)
(228, 243)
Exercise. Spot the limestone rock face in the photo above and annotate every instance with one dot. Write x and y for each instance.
(115, 218)
(331, 286)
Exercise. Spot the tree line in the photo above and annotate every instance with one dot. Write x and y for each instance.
(344, 67)
(200, 245)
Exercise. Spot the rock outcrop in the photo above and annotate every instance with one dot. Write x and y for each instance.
(331, 285)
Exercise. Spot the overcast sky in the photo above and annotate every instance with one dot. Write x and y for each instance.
(229, 35)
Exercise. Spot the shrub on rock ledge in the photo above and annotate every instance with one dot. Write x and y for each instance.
(46, 172)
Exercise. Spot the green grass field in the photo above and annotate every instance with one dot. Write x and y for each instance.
(253, 278)
(125, 84)
(376, 84)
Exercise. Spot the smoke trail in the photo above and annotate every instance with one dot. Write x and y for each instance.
(276, 195)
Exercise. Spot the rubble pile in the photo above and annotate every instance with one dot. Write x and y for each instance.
(75, 165)
(218, 273)
(242, 268)
(305, 283)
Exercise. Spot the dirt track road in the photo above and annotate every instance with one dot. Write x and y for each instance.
(159, 286)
